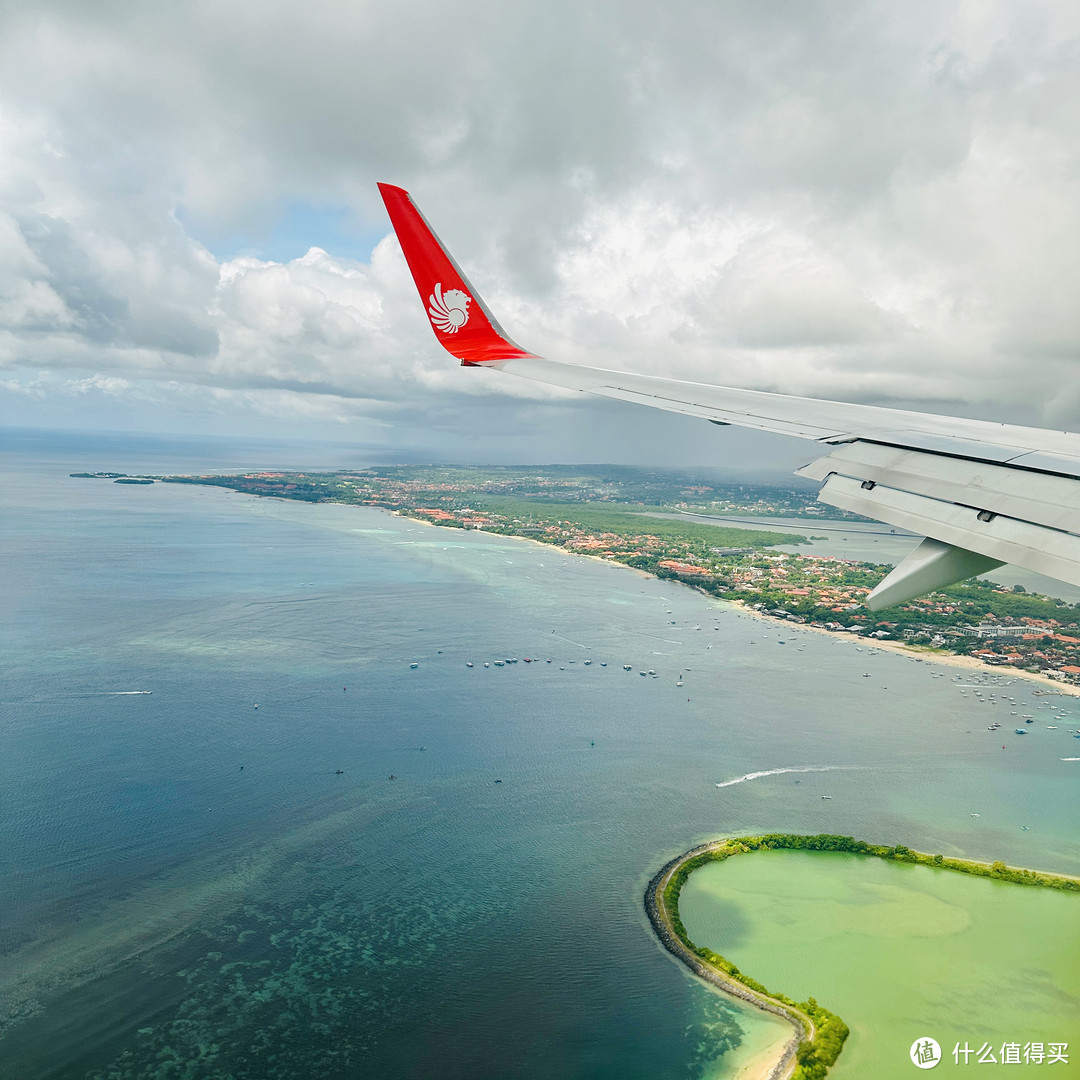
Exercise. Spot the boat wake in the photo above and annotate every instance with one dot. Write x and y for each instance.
(777, 772)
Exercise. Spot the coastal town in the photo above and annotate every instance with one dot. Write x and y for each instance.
(638, 517)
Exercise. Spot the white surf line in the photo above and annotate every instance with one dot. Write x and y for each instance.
(777, 772)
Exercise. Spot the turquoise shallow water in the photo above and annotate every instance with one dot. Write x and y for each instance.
(162, 905)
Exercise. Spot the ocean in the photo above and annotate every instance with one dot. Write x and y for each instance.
(241, 836)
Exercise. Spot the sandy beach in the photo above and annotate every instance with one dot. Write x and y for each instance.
(919, 652)
(769, 1062)
(916, 652)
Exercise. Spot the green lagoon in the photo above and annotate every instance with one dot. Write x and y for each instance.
(899, 952)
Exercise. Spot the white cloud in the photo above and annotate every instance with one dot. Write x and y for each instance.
(869, 201)
(107, 384)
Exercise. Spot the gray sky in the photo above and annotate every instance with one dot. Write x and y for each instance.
(876, 202)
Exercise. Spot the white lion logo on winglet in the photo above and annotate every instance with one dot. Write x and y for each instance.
(449, 311)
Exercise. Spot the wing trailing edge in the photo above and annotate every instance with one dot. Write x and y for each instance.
(983, 494)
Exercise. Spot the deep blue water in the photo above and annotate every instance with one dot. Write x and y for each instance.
(191, 888)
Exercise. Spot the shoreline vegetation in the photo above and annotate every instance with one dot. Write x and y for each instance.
(818, 1034)
(637, 518)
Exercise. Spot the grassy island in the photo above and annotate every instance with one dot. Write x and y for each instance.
(819, 1034)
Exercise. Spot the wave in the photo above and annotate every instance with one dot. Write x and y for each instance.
(777, 772)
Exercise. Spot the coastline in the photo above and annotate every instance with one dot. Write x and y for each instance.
(824, 1041)
(915, 652)
(930, 655)
(778, 1061)
(662, 836)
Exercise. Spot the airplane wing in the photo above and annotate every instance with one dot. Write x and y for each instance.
(983, 494)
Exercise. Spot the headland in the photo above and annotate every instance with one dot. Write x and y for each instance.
(639, 518)
(817, 1034)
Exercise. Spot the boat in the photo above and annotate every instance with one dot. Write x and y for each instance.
(500, 663)
(826, 796)
(413, 667)
(1021, 731)
(625, 667)
(468, 663)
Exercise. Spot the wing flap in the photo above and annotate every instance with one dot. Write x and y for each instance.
(997, 536)
(1039, 498)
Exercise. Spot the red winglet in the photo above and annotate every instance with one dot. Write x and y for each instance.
(461, 320)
